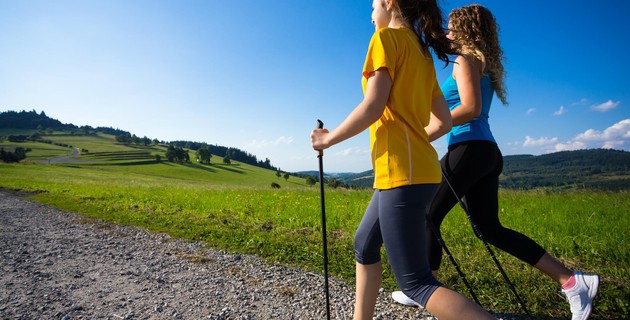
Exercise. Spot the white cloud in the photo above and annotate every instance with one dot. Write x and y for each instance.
(616, 136)
(582, 102)
(540, 142)
(560, 111)
(608, 105)
(259, 144)
(530, 111)
(351, 151)
(619, 130)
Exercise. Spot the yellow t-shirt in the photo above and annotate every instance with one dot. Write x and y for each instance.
(401, 152)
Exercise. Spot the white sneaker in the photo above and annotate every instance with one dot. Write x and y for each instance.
(580, 297)
(402, 298)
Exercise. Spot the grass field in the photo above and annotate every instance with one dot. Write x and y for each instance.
(233, 207)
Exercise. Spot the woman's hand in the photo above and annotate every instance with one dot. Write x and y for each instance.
(319, 139)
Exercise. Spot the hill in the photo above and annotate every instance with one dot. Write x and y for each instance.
(604, 169)
(29, 125)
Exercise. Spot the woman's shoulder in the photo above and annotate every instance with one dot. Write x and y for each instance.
(468, 62)
(463, 58)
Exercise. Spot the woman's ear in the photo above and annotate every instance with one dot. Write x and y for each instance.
(389, 4)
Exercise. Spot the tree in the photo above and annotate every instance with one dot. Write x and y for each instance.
(278, 174)
(16, 156)
(17, 138)
(170, 154)
(310, 180)
(177, 154)
(286, 176)
(124, 138)
(203, 155)
(226, 159)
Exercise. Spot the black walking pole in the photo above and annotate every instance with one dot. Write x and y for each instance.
(485, 243)
(320, 155)
(440, 240)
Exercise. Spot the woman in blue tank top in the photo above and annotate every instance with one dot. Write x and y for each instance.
(474, 162)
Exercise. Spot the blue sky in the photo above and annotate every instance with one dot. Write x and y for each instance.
(256, 75)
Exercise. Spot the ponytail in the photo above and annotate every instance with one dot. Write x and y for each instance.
(424, 17)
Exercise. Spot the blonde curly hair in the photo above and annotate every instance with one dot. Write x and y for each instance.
(476, 32)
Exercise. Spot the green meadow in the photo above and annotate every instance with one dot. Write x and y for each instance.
(233, 207)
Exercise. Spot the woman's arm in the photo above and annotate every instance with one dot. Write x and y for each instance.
(367, 112)
(440, 123)
(467, 74)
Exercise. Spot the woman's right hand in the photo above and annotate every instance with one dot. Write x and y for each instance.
(319, 139)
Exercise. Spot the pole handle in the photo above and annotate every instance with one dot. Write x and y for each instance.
(320, 125)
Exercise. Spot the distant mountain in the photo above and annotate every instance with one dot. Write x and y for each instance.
(364, 179)
(604, 169)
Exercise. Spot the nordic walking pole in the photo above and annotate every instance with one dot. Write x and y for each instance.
(320, 155)
(485, 243)
(440, 240)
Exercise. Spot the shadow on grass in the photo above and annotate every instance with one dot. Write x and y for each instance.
(228, 167)
(198, 166)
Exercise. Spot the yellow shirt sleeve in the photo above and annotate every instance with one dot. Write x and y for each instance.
(377, 57)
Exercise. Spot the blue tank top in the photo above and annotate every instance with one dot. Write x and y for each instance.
(478, 128)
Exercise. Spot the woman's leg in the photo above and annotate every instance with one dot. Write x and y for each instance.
(553, 268)
(463, 167)
(402, 215)
(367, 248)
(447, 304)
(368, 281)
(482, 202)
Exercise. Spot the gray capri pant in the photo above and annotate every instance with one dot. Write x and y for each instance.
(397, 217)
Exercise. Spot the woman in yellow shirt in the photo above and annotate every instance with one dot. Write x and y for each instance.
(405, 110)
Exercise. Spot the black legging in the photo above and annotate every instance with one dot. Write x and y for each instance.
(473, 169)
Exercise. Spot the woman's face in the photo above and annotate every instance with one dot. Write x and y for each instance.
(380, 15)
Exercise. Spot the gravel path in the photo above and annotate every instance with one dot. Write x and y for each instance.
(58, 265)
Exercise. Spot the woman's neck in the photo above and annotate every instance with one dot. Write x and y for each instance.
(397, 23)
